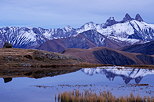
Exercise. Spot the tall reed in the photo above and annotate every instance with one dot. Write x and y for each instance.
(87, 96)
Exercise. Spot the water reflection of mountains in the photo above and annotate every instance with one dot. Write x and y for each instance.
(8, 75)
(127, 74)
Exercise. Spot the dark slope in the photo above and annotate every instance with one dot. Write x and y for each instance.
(146, 59)
(147, 48)
(109, 56)
(59, 45)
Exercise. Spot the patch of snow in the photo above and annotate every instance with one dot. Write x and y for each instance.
(31, 35)
(68, 28)
(131, 41)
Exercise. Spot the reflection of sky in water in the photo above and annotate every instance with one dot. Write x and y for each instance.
(24, 90)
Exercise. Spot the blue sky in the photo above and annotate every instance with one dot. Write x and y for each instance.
(60, 13)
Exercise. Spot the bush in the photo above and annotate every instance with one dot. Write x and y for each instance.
(7, 45)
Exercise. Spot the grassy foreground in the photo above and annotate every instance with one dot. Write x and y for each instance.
(87, 96)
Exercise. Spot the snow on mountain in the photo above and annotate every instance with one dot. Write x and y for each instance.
(27, 37)
(88, 26)
(129, 29)
(123, 31)
(59, 33)
(17, 36)
(130, 41)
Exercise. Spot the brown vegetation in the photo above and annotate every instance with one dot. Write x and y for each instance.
(11, 57)
(87, 96)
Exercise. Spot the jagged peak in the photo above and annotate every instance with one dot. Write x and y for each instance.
(110, 21)
(127, 18)
(138, 18)
(111, 18)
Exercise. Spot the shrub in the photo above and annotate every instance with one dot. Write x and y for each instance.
(7, 45)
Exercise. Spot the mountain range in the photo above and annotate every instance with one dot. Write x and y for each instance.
(112, 34)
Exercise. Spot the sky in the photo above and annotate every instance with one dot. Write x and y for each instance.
(61, 13)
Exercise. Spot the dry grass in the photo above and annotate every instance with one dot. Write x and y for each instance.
(13, 58)
(87, 96)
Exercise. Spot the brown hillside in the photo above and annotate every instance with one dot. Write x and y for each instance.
(109, 56)
(11, 57)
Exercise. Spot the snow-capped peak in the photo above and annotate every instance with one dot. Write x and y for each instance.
(68, 28)
(109, 22)
(89, 25)
(86, 27)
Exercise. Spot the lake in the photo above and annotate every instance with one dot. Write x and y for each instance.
(121, 81)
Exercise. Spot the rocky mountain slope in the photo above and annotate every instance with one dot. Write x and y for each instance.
(147, 48)
(85, 40)
(27, 37)
(125, 32)
(109, 56)
(12, 57)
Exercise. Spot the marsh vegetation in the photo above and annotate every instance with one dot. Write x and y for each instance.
(88, 96)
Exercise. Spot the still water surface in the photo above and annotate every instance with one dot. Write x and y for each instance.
(121, 82)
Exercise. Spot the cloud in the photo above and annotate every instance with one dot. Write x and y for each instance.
(69, 12)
